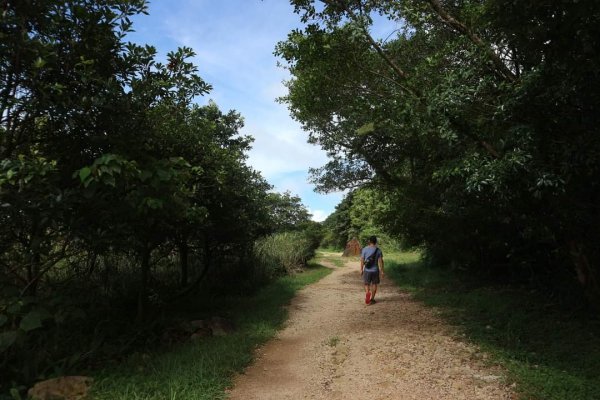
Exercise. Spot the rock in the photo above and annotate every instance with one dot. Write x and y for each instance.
(63, 388)
(201, 333)
(353, 248)
(199, 323)
(176, 335)
(221, 326)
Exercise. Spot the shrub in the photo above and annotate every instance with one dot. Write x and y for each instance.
(282, 253)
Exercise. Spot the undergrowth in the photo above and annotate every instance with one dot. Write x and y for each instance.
(204, 369)
(550, 351)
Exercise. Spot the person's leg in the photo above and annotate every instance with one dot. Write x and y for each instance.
(367, 281)
(374, 283)
(373, 291)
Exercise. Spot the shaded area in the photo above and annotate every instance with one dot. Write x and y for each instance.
(552, 352)
(202, 370)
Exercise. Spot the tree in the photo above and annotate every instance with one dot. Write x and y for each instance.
(59, 98)
(287, 212)
(109, 170)
(475, 119)
(338, 224)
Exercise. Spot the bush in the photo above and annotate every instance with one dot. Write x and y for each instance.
(282, 253)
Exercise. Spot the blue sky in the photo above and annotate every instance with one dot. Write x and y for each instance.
(234, 41)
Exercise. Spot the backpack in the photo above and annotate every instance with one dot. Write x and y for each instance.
(371, 261)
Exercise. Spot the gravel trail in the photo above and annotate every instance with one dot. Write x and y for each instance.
(335, 347)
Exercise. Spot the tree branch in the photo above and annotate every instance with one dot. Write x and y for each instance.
(452, 22)
(448, 19)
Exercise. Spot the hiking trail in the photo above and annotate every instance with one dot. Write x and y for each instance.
(334, 346)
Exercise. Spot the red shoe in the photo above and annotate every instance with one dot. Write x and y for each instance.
(368, 298)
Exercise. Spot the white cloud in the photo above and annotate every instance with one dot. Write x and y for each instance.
(274, 91)
(234, 42)
(235, 56)
(318, 215)
(277, 150)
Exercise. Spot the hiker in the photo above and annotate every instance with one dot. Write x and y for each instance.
(371, 267)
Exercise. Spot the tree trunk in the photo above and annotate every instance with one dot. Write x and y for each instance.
(586, 275)
(206, 264)
(34, 259)
(92, 263)
(183, 261)
(143, 293)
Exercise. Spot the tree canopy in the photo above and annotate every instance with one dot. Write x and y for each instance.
(119, 192)
(476, 119)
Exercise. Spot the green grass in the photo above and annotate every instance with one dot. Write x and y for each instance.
(551, 353)
(203, 370)
(333, 341)
(338, 261)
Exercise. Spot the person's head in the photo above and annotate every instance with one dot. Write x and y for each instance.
(373, 240)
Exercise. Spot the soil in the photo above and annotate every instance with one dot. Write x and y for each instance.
(334, 346)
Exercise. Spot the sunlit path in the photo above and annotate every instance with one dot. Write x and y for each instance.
(336, 347)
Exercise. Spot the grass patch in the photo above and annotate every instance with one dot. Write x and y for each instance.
(551, 353)
(332, 256)
(203, 370)
(333, 341)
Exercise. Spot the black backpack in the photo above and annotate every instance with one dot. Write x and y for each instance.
(371, 261)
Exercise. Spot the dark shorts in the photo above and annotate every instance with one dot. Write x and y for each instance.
(371, 277)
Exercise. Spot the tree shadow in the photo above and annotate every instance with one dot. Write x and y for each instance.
(550, 350)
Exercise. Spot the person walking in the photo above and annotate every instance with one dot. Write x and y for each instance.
(371, 268)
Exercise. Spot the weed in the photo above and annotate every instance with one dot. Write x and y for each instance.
(333, 341)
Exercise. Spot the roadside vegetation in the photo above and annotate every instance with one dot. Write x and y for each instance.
(203, 369)
(121, 196)
(549, 350)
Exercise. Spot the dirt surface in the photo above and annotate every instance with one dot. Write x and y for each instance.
(336, 347)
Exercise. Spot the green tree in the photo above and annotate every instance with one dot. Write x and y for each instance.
(108, 171)
(475, 119)
(287, 212)
(338, 225)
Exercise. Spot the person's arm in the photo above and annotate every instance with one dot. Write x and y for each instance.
(381, 265)
(362, 264)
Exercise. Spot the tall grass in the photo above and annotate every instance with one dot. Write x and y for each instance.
(283, 252)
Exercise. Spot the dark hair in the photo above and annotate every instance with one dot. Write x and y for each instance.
(373, 239)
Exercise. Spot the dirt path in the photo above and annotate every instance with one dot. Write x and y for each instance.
(336, 347)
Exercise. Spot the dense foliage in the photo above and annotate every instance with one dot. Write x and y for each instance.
(358, 216)
(477, 119)
(118, 192)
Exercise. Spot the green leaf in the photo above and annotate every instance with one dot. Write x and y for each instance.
(7, 339)
(84, 173)
(110, 180)
(14, 308)
(163, 175)
(3, 319)
(39, 63)
(366, 129)
(14, 393)
(31, 321)
(145, 175)
(154, 204)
